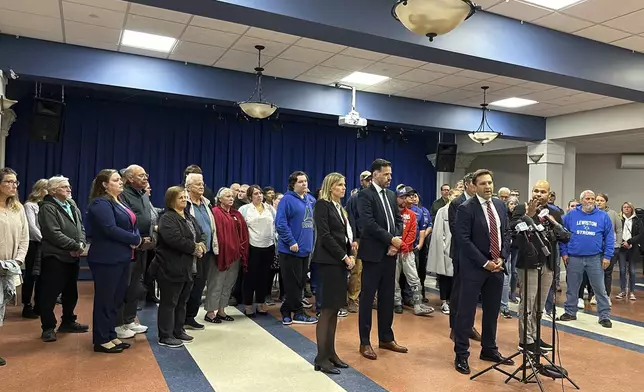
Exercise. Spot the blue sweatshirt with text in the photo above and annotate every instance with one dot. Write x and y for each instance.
(592, 234)
(294, 224)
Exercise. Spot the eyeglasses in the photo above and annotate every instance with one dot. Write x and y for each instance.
(143, 175)
(16, 183)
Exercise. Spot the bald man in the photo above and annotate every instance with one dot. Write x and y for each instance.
(530, 256)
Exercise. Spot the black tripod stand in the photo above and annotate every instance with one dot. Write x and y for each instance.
(531, 368)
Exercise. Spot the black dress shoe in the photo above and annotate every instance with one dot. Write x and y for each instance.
(495, 357)
(461, 365)
(327, 370)
(225, 318)
(339, 364)
(114, 350)
(123, 345)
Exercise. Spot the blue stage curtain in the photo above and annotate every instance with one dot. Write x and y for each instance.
(164, 140)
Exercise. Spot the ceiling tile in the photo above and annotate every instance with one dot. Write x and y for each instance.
(633, 23)
(599, 11)
(423, 91)
(327, 72)
(466, 73)
(30, 22)
(54, 35)
(197, 53)
(421, 76)
(513, 91)
(485, 4)
(454, 95)
(143, 52)
(405, 62)
(399, 85)
(91, 44)
(635, 43)
(315, 79)
(209, 37)
(562, 22)
(286, 68)
(507, 80)
(84, 32)
(384, 69)
(519, 11)
(114, 5)
(272, 35)
(49, 8)
(154, 26)
(363, 54)
(240, 61)
(573, 99)
(445, 69)
(159, 13)
(454, 81)
(320, 45)
(347, 63)
(494, 86)
(537, 86)
(306, 55)
(93, 15)
(247, 44)
(220, 25)
(546, 95)
(602, 33)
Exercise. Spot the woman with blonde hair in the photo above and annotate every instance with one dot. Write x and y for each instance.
(632, 230)
(32, 262)
(14, 231)
(333, 257)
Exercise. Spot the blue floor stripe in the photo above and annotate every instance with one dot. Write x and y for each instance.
(350, 379)
(181, 372)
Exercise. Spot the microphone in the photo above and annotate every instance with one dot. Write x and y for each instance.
(535, 228)
(521, 227)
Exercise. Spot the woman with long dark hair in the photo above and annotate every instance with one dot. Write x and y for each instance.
(111, 227)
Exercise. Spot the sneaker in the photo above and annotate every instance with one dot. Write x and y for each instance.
(194, 325)
(306, 304)
(445, 308)
(593, 300)
(610, 303)
(124, 333)
(302, 318)
(423, 310)
(170, 342)
(580, 303)
(136, 327)
(567, 317)
(547, 314)
(545, 346)
(343, 313)
(352, 307)
(531, 347)
(632, 297)
(506, 314)
(286, 320)
(398, 309)
(269, 301)
(48, 335)
(620, 295)
(606, 323)
(73, 328)
(184, 337)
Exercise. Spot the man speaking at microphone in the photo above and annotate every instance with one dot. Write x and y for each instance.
(531, 254)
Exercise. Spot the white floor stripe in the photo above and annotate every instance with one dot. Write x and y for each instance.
(229, 356)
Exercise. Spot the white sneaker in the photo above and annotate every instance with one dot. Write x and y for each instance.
(610, 303)
(124, 333)
(546, 314)
(136, 327)
(580, 303)
(593, 300)
(445, 308)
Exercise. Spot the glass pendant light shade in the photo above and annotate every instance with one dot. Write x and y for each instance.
(481, 135)
(255, 106)
(432, 18)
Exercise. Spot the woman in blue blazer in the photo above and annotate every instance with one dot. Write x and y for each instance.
(111, 229)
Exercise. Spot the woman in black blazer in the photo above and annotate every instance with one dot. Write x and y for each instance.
(333, 256)
(181, 245)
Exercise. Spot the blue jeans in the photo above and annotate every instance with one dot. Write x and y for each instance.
(557, 274)
(505, 296)
(626, 259)
(592, 265)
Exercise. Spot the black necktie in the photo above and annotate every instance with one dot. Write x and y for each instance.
(390, 217)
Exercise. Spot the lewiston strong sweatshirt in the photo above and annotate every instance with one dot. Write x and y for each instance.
(592, 234)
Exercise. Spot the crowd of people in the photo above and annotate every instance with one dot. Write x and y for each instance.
(214, 250)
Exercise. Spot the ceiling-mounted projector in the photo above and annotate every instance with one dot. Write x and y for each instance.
(352, 119)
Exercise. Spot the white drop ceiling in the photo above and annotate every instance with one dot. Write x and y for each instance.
(210, 42)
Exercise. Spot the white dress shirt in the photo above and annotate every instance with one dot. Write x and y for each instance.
(348, 237)
(386, 206)
(487, 219)
(627, 231)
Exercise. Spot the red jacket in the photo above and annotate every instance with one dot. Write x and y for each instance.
(409, 230)
(232, 235)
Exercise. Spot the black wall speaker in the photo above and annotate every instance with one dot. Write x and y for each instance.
(446, 157)
(47, 120)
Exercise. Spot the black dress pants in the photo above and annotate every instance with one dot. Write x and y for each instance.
(172, 307)
(57, 277)
(377, 277)
(30, 281)
(256, 279)
(198, 284)
(445, 287)
(455, 294)
(110, 284)
(291, 270)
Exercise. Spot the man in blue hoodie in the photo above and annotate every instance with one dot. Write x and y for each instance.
(294, 225)
(590, 250)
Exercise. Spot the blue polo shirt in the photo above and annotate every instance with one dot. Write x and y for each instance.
(423, 221)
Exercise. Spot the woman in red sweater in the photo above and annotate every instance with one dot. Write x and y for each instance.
(232, 236)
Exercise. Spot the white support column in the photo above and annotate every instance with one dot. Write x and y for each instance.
(442, 178)
(463, 162)
(554, 162)
(569, 191)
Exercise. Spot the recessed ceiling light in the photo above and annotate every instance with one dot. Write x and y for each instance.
(513, 103)
(365, 79)
(157, 43)
(553, 4)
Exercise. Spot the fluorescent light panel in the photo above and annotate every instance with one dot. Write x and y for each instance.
(513, 103)
(553, 4)
(157, 43)
(365, 79)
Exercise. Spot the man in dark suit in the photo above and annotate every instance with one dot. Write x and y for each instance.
(380, 226)
(470, 191)
(483, 245)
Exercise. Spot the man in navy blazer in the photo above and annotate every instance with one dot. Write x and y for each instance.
(483, 245)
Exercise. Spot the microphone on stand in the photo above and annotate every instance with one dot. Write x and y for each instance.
(537, 230)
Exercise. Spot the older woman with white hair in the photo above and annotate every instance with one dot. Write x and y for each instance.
(200, 209)
(232, 237)
(63, 241)
(32, 262)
